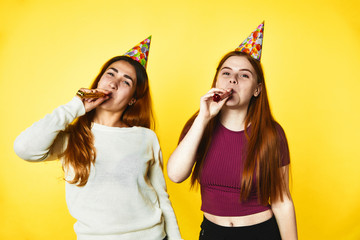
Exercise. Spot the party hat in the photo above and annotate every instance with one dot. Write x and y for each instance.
(140, 52)
(253, 44)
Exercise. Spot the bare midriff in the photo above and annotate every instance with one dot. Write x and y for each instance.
(240, 221)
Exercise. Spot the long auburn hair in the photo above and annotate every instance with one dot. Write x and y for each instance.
(80, 152)
(263, 150)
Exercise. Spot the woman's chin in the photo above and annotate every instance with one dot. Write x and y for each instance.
(231, 103)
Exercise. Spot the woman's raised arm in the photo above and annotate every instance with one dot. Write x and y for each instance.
(182, 160)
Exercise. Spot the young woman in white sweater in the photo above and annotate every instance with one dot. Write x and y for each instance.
(115, 186)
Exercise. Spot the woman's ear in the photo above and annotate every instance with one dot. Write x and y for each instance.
(258, 90)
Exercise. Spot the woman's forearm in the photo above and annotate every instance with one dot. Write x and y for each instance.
(182, 160)
(285, 216)
(35, 143)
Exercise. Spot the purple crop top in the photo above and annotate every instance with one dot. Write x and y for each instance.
(221, 174)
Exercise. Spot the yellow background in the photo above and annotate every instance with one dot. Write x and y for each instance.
(49, 49)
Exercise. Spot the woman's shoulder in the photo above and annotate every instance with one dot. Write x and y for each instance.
(146, 132)
(144, 129)
(283, 144)
(279, 128)
(148, 136)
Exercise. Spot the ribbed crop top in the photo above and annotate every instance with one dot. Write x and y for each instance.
(221, 174)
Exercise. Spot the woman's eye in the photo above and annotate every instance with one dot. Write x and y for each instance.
(127, 83)
(111, 74)
(226, 73)
(244, 75)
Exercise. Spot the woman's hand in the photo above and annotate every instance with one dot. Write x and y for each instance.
(91, 103)
(208, 107)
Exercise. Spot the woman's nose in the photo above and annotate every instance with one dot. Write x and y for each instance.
(233, 81)
(113, 85)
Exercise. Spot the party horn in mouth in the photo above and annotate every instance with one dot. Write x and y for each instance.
(217, 97)
(90, 94)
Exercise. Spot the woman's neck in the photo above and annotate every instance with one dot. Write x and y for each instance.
(233, 119)
(110, 119)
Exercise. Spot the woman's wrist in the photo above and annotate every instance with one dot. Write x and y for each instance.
(201, 120)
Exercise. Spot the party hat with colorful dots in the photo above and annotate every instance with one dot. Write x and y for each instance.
(253, 44)
(140, 52)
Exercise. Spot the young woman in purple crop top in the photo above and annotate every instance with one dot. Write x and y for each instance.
(241, 157)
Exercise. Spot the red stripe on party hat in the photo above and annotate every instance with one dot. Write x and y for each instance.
(140, 52)
(252, 45)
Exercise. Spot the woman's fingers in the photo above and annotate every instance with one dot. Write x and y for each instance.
(208, 107)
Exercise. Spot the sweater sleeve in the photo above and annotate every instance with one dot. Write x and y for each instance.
(42, 140)
(156, 177)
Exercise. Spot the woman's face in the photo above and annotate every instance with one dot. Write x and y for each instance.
(120, 79)
(238, 74)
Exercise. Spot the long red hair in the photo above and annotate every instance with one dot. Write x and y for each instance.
(80, 152)
(263, 150)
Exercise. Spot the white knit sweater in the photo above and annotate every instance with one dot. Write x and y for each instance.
(125, 197)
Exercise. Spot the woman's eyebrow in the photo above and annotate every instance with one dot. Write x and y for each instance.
(226, 68)
(114, 69)
(247, 70)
